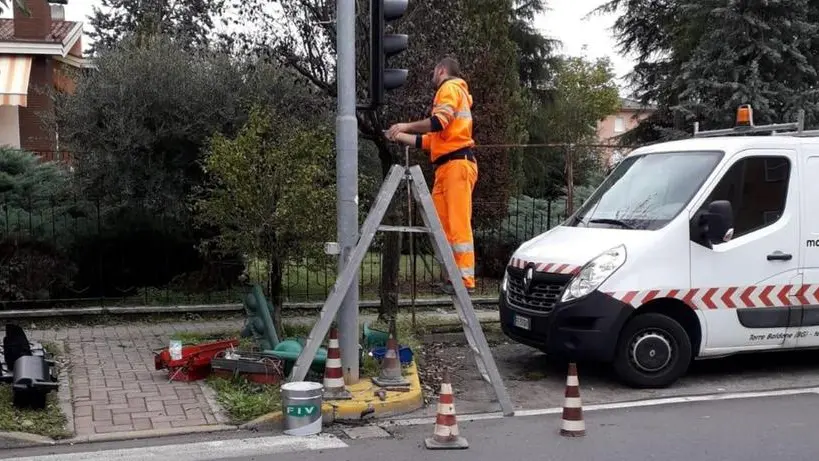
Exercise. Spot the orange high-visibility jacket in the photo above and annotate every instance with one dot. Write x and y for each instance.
(451, 120)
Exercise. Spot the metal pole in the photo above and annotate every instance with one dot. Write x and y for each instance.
(411, 242)
(347, 182)
(569, 181)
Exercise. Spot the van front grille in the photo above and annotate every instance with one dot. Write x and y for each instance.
(541, 297)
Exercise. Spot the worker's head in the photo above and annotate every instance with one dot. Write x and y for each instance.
(446, 68)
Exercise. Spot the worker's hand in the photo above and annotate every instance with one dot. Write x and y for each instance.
(395, 129)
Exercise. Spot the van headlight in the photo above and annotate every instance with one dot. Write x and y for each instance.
(594, 273)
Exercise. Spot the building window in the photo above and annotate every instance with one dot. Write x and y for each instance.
(619, 124)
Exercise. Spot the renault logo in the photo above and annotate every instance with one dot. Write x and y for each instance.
(527, 280)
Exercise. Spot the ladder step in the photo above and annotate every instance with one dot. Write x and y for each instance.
(417, 230)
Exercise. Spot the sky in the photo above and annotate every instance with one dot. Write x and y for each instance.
(563, 21)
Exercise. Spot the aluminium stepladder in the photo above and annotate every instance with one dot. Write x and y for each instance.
(443, 252)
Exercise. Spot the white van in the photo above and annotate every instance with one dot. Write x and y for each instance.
(690, 249)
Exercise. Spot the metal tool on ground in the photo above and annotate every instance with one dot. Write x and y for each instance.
(372, 337)
(253, 367)
(446, 435)
(391, 368)
(260, 326)
(572, 424)
(33, 380)
(259, 322)
(28, 367)
(333, 372)
(443, 252)
(15, 345)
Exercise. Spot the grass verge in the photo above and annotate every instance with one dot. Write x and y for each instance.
(243, 400)
(49, 422)
(191, 338)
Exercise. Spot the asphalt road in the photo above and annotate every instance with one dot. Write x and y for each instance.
(759, 429)
(533, 381)
(747, 430)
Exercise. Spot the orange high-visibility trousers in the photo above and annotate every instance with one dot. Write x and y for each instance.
(452, 196)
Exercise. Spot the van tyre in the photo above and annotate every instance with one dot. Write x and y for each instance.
(653, 351)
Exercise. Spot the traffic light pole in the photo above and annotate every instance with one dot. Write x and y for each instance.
(347, 182)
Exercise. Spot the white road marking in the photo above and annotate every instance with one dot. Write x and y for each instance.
(213, 450)
(614, 406)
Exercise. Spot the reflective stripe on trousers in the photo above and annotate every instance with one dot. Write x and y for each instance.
(452, 196)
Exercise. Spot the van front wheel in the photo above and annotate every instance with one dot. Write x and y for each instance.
(653, 351)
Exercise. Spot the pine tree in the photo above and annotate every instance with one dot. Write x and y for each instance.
(536, 52)
(38, 219)
(31, 194)
(698, 60)
(751, 52)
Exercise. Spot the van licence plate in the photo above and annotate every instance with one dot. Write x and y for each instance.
(523, 322)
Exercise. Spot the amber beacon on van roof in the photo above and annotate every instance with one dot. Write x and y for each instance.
(745, 125)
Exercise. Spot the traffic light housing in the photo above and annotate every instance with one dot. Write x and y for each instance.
(383, 46)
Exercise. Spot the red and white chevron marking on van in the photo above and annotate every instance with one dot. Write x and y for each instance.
(729, 297)
(547, 267)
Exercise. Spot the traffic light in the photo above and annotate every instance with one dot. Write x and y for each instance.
(382, 46)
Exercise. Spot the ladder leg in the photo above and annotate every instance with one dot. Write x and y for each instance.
(345, 278)
(463, 303)
(472, 342)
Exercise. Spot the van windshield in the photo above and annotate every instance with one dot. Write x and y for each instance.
(647, 191)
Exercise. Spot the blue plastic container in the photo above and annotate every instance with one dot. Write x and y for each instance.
(404, 354)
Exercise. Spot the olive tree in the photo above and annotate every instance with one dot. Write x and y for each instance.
(269, 191)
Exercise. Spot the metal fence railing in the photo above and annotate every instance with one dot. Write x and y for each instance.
(66, 250)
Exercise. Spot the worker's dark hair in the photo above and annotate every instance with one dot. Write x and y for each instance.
(451, 66)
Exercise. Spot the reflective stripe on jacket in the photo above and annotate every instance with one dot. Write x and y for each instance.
(452, 107)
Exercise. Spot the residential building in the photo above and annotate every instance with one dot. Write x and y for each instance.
(630, 114)
(39, 51)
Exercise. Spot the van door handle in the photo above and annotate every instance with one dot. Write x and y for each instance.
(779, 256)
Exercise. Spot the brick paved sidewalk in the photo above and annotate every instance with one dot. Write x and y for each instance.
(114, 386)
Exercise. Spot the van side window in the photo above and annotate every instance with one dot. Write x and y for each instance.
(757, 188)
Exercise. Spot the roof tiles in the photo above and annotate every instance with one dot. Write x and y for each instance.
(59, 31)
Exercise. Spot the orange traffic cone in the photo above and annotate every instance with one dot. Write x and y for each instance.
(333, 373)
(391, 368)
(446, 435)
(573, 424)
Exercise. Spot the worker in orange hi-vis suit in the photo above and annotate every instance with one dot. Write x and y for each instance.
(447, 135)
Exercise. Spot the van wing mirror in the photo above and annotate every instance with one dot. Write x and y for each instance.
(718, 222)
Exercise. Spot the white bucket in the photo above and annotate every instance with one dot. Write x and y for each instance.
(301, 405)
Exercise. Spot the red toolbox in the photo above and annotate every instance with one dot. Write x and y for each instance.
(195, 362)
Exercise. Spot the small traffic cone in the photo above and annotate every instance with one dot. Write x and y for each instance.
(333, 373)
(391, 368)
(446, 435)
(573, 424)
